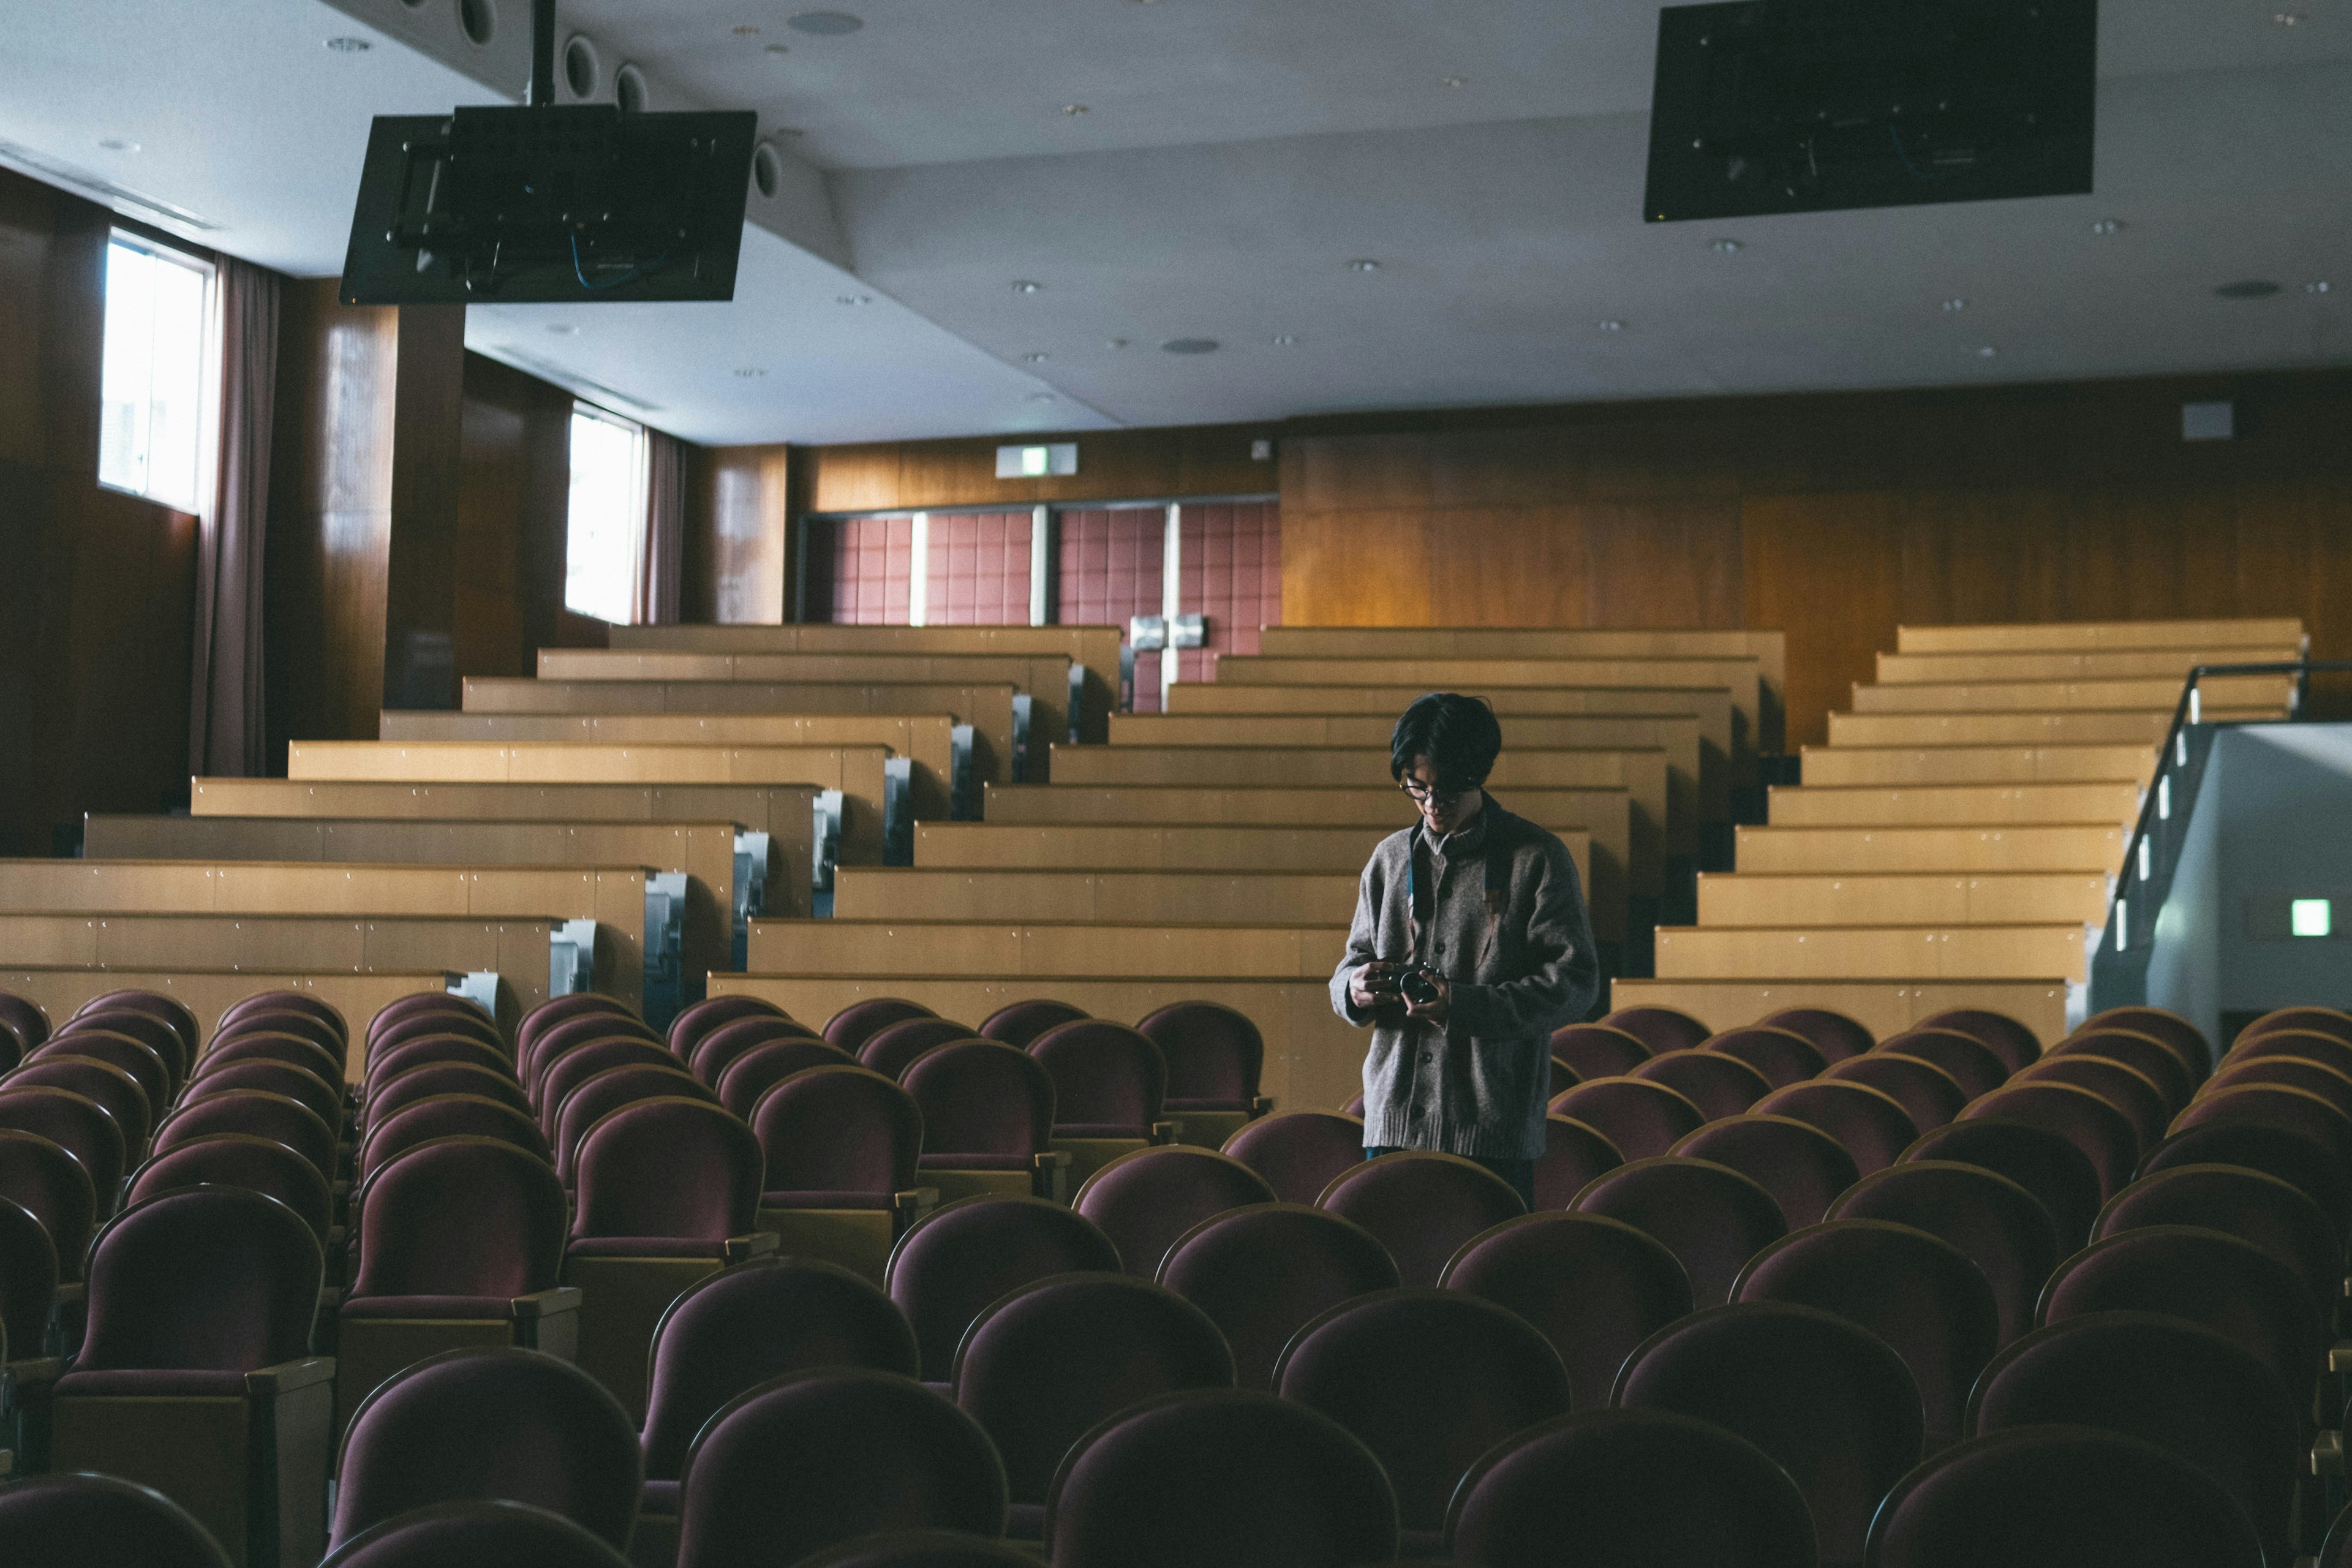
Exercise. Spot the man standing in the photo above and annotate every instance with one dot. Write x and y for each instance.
(1470, 946)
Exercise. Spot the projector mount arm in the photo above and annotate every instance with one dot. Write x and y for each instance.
(542, 54)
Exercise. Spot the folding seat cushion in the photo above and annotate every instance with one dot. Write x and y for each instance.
(28, 1282)
(426, 1050)
(1660, 1029)
(1828, 1399)
(722, 1046)
(1712, 1218)
(1429, 1380)
(749, 1076)
(433, 1080)
(100, 1082)
(419, 1024)
(892, 1049)
(667, 1190)
(2057, 1496)
(2151, 1057)
(503, 1424)
(593, 1098)
(560, 1075)
(843, 1145)
(1832, 1034)
(82, 1128)
(2212, 1403)
(1241, 1479)
(1641, 1117)
(1920, 1294)
(125, 1007)
(1110, 1084)
(99, 1521)
(270, 1046)
(52, 1186)
(448, 1116)
(461, 1247)
(695, 1022)
(1423, 1207)
(300, 1002)
(1574, 1155)
(852, 1027)
(2269, 1105)
(2123, 1087)
(1019, 1023)
(151, 1072)
(1872, 1125)
(1976, 1066)
(2045, 1163)
(1719, 1083)
(809, 1461)
(2331, 1084)
(476, 1535)
(2014, 1043)
(1042, 1366)
(571, 1033)
(1803, 1168)
(1145, 1200)
(240, 1160)
(1299, 1152)
(1629, 1486)
(1782, 1056)
(921, 1548)
(2000, 1226)
(2094, 1125)
(1595, 1050)
(988, 1122)
(2254, 1207)
(194, 1375)
(2303, 1163)
(1262, 1273)
(2314, 1020)
(1215, 1054)
(955, 1261)
(1594, 1287)
(324, 1100)
(30, 1024)
(300, 1026)
(1927, 1094)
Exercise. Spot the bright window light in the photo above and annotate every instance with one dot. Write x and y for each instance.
(151, 384)
(608, 517)
(2311, 917)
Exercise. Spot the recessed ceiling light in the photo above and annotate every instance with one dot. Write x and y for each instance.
(2316, 286)
(2287, 18)
(119, 144)
(2248, 288)
(561, 329)
(751, 372)
(854, 299)
(1036, 358)
(1984, 351)
(1024, 286)
(1363, 264)
(1075, 110)
(1189, 346)
(1611, 325)
(1956, 303)
(1726, 246)
(1040, 397)
(1117, 342)
(824, 24)
(349, 46)
(1284, 340)
(776, 48)
(1455, 80)
(2106, 225)
(747, 29)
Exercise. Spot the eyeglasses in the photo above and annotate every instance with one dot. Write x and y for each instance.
(1422, 794)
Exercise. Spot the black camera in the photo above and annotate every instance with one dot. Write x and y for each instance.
(1419, 985)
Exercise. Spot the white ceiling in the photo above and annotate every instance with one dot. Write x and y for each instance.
(1235, 155)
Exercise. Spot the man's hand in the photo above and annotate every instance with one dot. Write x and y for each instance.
(1434, 1012)
(1374, 986)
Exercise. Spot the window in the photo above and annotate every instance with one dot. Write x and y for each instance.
(606, 537)
(153, 385)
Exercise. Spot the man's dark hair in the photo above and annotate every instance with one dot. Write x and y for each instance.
(1458, 735)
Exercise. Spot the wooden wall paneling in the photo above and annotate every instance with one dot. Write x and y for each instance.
(739, 536)
(1817, 565)
(421, 578)
(513, 506)
(1113, 465)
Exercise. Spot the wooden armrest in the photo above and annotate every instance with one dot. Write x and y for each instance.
(758, 1244)
(1261, 1105)
(916, 1202)
(1167, 1132)
(287, 1376)
(2327, 1454)
(1052, 1158)
(32, 1376)
(330, 1299)
(546, 1303)
(2339, 1356)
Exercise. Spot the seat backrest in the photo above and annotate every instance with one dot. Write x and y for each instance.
(2185, 1037)
(1872, 1125)
(81, 1127)
(1829, 1401)
(1215, 1053)
(1018, 1023)
(1262, 1273)
(2303, 1163)
(151, 1070)
(1641, 1117)
(1832, 1034)
(2000, 1226)
(100, 1082)
(2046, 1163)
(31, 1025)
(2102, 1132)
(500, 1422)
(1106, 1075)
(460, 1216)
(593, 1098)
(475, 1535)
(1801, 1166)
(418, 1025)
(100, 1522)
(1782, 1056)
(424, 1050)
(1712, 1218)
(270, 1046)
(751, 1074)
(1423, 1207)
(302, 1002)
(432, 1079)
(2331, 1084)
(2054, 1497)
(2248, 1205)
(2272, 1105)
(892, 1049)
(854, 1025)
(1429, 1380)
(557, 1040)
(673, 1169)
(1928, 1095)
(202, 1279)
(1145, 1200)
(1629, 1486)
(51, 1185)
(981, 1097)
(561, 1010)
(240, 1160)
(281, 1021)
(2122, 1086)
(838, 1129)
(2303, 1043)
(1299, 1153)
(1594, 1286)
(735, 1330)
(2159, 1062)
(1573, 1155)
(2316, 1020)
(560, 1075)
(28, 1280)
(1976, 1066)
(2213, 1404)
(1718, 1083)
(722, 1046)
(958, 1259)
(1595, 1050)
(154, 1029)
(696, 1021)
(418, 1004)
(2014, 1043)
(921, 1548)
(1660, 1029)
(1241, 1479)
(325, 1100)
(449, 1116)
(1041, 1366)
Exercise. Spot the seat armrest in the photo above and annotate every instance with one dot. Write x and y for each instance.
(287, 1376)
(2327, 1456)
(1261, 1105)
(2339, 1356)
(545, 1303)
(758, 1244)
(911, 1205)
(1169, 1132)
(1051, 1179)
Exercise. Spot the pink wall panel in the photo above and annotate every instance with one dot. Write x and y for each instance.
(872, 572)
(979, 569)
(1111, 561)
(1230, 570)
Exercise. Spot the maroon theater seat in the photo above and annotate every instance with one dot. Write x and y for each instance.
(697, 1022)
(428, 1050)
(2268, 1105)
(1801, 1166)
(427, 1026)
(1872, 1126)
(270, 1116)
(1423, 1207)
(2303, 1164)
(1999, 1225)
(272, 1046)
(2190, 1042)
(151, 1071)
(1718, 1083)
(892, 1049)
(1110, 1086)
(2269, 1212)
(1145, 1200)
(240, 1160)
(449, 1116)
(103, 1084)
(954, 1262)
(1215, 1054)
(2126, 1087)
(2330, 1084)
(2154, 1060)
(51, 1185)
(1782, 1056)
(301, 1025)
(301, 1002)
(1660, 1029)
(1927, 1094)
(1630, 1486)
(82, 1128)
(2102, 1132)
(562, 1010)
(759, 1069)
(1594, 1287)
(1595, 1050)
(843, 1145)
(1299, 1152)
(2059, 1497)
(1828, 1399)
(1976, 1066)
(2012, 1041)
(569, 1035)
(433, 1080)
(1641, 1117)
(2046, 1163)
(461, 1244)
(1574, 1155)
(2208, 1402)
(921, 1548)
(421, 1003)
(855, 1025)
(1041, 1367)
(324, 1100)
(988, 1119)
(31, 1025)
(153, 1033)
(1262, 1273)
(506, 1424)
(722, 1046)
(1832, 1034)
(171, 1014)
(559, 1076)
(99, 1521)
(13, 1048)
(593, 1098)
(1712, 1218)
(2316, 1020)
(28, 1280)
(1240, 1479)
(1020, 1023)
(476, 1535)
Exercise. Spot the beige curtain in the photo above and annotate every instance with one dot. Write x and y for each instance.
(661, 555)
(225, 728)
